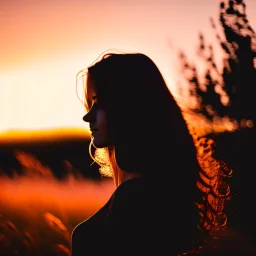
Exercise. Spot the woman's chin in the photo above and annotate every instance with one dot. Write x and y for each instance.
(99, 144)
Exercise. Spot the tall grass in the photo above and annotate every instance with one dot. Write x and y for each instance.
(38, 212)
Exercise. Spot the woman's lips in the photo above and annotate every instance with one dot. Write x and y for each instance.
(93, 131)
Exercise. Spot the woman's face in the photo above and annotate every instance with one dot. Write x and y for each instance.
(96, 117)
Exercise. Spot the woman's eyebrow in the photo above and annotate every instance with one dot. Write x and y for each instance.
(91, 99)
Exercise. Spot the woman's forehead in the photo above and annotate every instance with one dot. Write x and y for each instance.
(90, 88)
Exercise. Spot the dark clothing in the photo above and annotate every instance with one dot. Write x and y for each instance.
(137, 220)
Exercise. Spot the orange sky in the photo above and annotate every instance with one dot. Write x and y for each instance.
(45, 43)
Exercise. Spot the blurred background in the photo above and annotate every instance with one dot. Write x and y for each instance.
(206, 52)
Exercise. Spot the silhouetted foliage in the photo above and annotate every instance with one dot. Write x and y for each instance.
(231, 90)
(228, 92)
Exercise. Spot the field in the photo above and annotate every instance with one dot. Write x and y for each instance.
(47, 188)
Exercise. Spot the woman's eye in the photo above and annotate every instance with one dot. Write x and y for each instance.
(93, 104)
(94, 99)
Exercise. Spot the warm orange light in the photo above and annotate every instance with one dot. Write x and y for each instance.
(74, 197)
(14, 136)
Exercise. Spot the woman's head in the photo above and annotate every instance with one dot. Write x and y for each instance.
(139, 116)
(130, 88)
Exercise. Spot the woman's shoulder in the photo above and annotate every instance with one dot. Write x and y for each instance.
(85, 235)
(93, 220)
(123, 191)
(83, 228)
(78, 229)
(137, 183)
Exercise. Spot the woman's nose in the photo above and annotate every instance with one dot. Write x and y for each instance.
(90, 116)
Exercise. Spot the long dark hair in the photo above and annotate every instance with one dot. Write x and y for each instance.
(147, 129)
(146, 125)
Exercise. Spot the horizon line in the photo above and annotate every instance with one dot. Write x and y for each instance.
(23, 135)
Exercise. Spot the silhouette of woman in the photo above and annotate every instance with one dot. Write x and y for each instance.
(141, 139)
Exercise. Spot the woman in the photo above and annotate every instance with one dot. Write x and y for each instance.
(140, 139)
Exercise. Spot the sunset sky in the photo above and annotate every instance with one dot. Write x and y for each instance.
(45, 43)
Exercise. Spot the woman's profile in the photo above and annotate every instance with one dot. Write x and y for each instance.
(140, 138)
